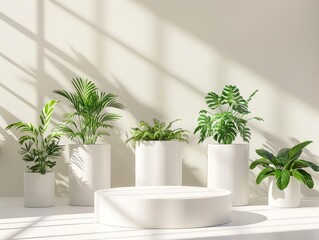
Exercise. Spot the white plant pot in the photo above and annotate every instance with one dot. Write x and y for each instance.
(289, 197)
(227, 168)
(38, 189)
(158, 163)
(89, 170)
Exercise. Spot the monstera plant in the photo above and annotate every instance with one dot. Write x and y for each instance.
(230, 118)
(225, 119)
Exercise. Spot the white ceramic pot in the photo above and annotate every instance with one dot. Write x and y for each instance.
(227, 168)
(158, 163)
(38, 189)
(289, 197)
(89, 170)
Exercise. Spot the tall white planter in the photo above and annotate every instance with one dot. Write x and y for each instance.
(89, 170)
(158, 163)
(227, 168)
(38, 189)
(289, 197)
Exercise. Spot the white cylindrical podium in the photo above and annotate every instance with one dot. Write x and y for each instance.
(162, 207)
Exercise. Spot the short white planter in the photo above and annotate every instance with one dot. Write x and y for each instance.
(158, 163)
(39, 189)
(227, 168)
(287, 198)
(89, 170)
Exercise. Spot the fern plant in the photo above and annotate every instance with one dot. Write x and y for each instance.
(36, 145)
(229, 120)
(159, 131)
(284, 165)
(90, 118)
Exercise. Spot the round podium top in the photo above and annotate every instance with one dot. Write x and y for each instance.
(164, 192)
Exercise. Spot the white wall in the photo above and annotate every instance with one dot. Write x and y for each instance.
(161, 58)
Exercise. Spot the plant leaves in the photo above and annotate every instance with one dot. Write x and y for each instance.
(91, 116)
(283, 153)
(262, 161)
(303, 177)
(296, 151)
(282, 178)
(224, 126)
(268, 171)
(265, 154)
(159, 131)
(212, 100)
(299, 163)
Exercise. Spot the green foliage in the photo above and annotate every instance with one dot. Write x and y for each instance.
(89, 120)
(158, 132)
(229, 121)
(284, 165)
(36, 146)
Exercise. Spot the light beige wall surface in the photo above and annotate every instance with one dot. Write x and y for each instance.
(161, 58)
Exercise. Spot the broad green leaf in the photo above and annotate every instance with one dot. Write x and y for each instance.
(265, 154)
(264, 173)
(299, 163)
(313, 166)
(296, 151)
(283, 153)
(288, 165)
(282, 178)
(304, 177)
(261, 161)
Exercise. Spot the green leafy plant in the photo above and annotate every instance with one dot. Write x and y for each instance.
(284, 165)
(160, 131)
(89, 120)
(230, 120)
(36, 146)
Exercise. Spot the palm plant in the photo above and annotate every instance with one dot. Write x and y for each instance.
(224, 125)
(159, 131)
(89, 120)
(36, 145)
(284, 165)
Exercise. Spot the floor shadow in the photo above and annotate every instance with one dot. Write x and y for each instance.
(189, 176)
(241, 218)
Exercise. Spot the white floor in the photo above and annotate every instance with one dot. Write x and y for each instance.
(254, 222)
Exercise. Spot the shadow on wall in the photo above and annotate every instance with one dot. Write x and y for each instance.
(255, 35)
(13, 166)
(189, 176)
(11, 163)
(122, 155)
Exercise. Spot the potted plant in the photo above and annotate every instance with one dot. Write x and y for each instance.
(40, 149)
(286, 171)
(89, 162)
(227, 162)
(157, 155)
